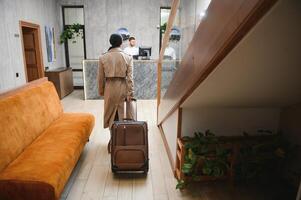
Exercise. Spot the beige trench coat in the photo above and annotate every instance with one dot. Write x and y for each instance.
(115, 83)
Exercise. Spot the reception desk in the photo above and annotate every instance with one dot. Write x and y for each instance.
(145, 77)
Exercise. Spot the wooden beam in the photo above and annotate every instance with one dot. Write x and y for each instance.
(171, 19)
(170, 158)
(179, 125)
(159, 69)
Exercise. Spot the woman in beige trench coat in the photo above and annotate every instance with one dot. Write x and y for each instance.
(115, 80)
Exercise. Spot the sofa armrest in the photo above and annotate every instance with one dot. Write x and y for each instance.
(26, 190)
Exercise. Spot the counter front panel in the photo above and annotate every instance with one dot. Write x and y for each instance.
(145, 78)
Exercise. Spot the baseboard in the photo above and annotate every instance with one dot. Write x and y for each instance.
(78, 87)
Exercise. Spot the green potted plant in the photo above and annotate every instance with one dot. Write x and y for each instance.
(206, 159)
(71, 32)
(250, 158)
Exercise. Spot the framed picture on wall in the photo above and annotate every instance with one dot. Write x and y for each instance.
(53, 43)
(50, 43)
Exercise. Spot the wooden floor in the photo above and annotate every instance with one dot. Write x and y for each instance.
(92, 178)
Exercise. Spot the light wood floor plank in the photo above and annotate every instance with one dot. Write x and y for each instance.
(161, 197)
(76, 191)
(87, 162)
(125, 189)
(95, 185)
(111, 188)
(143, 188)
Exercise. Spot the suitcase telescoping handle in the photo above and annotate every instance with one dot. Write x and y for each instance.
(130, 110)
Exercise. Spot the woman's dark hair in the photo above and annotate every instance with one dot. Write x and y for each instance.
(115, 40)
(132, 38)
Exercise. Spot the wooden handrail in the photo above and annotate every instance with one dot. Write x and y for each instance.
(226, 23)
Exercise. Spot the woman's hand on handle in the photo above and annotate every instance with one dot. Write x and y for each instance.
(128, 98)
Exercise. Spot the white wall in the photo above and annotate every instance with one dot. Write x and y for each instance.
(104, 17)
(42, 12)
(229, 121)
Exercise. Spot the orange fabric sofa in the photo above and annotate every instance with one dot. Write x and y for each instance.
(39, 143)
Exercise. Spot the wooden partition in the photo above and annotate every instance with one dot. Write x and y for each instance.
(226, 23)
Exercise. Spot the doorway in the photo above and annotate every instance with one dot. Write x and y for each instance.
(164, 15)
(75, 48)
(32, 50)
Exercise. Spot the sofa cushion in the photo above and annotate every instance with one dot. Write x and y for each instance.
(48, 161)
(24, 116)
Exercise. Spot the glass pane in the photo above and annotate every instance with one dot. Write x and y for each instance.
(164, 15)
(78, 79)
(165, 12)
(189, 16)
(172, 54)
(74, 15)
(76, 51)
(192, 13)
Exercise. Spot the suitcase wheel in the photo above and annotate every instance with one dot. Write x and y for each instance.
(145, 171)
(113, 168)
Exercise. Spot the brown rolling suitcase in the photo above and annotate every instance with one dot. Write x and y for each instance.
(129, 143)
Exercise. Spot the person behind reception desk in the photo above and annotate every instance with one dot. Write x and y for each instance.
(170, 53)
(132, 49)
(115, 80)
